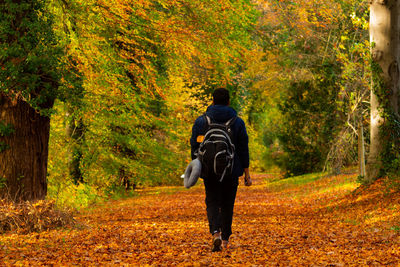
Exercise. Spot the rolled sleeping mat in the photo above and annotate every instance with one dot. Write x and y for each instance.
(192, 173)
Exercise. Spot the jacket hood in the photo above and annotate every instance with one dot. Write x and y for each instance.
(220, 113)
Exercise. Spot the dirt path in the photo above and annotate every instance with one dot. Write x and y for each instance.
(316, 223)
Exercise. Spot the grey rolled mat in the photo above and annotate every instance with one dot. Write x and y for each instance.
(192, 173)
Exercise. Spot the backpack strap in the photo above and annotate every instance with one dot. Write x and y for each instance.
(231, 121)
(208, 120)
(207, 123)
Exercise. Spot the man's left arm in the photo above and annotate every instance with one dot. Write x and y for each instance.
(243, 152)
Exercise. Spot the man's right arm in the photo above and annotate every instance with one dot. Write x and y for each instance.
(196, 131)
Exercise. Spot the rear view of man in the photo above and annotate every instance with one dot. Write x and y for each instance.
(220, 127)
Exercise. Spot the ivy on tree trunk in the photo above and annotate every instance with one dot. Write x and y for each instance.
(384, 37)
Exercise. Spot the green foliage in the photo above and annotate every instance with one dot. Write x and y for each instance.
(68, 194)
(5, 130)
(3, 146)
(3, 181)
(309, 121)
(395, 228)
(29, 54)
(308, 89)
(391, 155)
(119, 192)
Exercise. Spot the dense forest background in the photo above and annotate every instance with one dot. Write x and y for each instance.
(132, 76)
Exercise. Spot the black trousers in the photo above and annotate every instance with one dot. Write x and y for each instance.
(220, 199)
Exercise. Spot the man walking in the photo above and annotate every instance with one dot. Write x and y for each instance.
(221, 186)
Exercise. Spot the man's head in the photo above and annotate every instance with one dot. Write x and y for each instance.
(221, 97)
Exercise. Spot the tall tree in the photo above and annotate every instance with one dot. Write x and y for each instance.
(385, 46)
(28, 87)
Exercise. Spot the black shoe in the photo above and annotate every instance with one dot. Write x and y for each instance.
(217, 242)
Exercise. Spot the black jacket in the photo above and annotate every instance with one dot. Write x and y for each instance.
(221, 114)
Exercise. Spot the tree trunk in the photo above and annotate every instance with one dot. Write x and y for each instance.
(23, 163)
(384, 37)
(361, 150)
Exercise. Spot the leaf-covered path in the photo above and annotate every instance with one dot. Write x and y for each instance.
(309, 221)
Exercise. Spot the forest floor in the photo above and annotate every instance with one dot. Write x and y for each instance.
(303, 221)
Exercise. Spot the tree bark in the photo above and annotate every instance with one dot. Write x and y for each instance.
(23, 164)
(384, 38)
(361, 150)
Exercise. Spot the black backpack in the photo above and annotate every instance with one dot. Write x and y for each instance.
(217, 151)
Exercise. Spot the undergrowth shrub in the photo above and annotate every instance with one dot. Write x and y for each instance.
(66, 194)
(29, 217)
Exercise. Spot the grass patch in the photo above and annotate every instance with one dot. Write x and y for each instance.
(395, 228)
(293, 182)
(345, 185)
(313, 185)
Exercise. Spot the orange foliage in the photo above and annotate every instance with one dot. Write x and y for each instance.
(319, 223)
